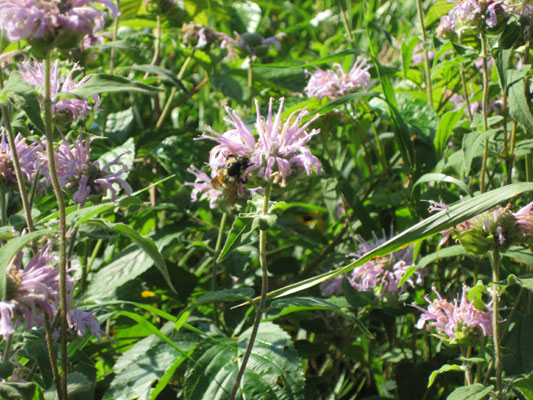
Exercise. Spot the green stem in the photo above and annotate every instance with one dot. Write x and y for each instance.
(215, 264)
(3, 203)
(166, 108)
(115, 33)
(52, 355)
(495, 318)
(345, 23)
(427, 67)
(16, 161)
(485, 104)
(62, 224)
(264, 291)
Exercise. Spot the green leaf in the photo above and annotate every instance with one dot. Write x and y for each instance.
(525, 281)
(79, 388)
(472, 392)
(225, 295)
(274, 371)
(518, 104)
(240, 225)
(446, 125)
(444, 368)
(146, 244)
(520, 254)
(10, 250)
(84, 214)
(473, 145)
(457, 213)
(118, 125)
(407, 53)
(17, 390)
(282, 307)
(162, 72)
(435, 177)
(437, 10)
(401, 131)
(150, 359)
(28, 100)
(125, 266)
(105, 83)
(523, 383)
(451, 251)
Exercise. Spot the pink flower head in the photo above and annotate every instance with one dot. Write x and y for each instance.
(335, 83)
(23, 19)
(202, 187)
(473, 15)
(31, 292)
(83, 177)
(33, 73)
(280, 148)
(457, 322)
(381, 275)
(524, 220)
(384, 273)
(28, 155)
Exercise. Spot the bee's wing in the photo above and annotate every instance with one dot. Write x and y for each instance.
(216, 182)
(230, 192)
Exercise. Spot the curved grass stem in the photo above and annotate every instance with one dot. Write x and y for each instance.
(264, 291)
(62, 225)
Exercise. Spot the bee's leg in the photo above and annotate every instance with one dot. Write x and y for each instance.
(244, 180)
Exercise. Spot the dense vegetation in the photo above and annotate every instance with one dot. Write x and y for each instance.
(166, 164)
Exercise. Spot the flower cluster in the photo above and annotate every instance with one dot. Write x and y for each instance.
(28, 155)
(460, 322)
(498, 227)
(32, 294)
(381, 275)
(202, 187)
(83, 178)
(335, 83)
(33, 73)
(28, 19)
(474, 16)
(279, 150)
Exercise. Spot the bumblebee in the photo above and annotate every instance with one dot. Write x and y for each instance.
(229, 177)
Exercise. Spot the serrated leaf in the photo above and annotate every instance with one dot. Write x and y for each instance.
(147, 361)
(10, 250)
(450, 217)
(472, 392)
(436, 177)
(125, 266)
(145, 243)
(518, 104)
(274, 371)
(106, 83)
(84, 214)
(240, 225)
(17, 390)
(444, 368)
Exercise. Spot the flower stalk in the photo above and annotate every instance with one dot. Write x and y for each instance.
(264, 291)
(429, 87)
(16, 164)
(495, 317)
(485, 103)
(62, 223)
